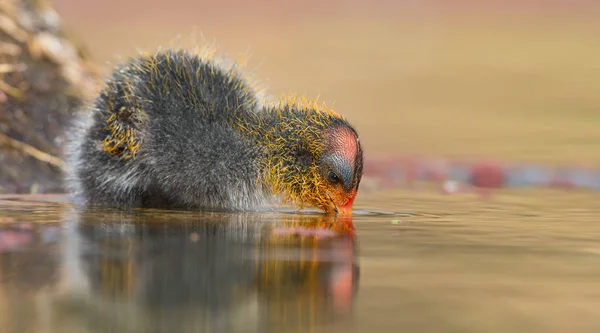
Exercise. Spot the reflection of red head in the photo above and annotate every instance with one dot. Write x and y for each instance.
(342, 288)
(343, 280)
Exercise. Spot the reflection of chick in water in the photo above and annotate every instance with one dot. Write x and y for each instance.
(216, 271)
(311, 285)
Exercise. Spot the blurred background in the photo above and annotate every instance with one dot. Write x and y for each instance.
(513, 80)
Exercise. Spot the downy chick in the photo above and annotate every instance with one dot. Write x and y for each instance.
(178, 130)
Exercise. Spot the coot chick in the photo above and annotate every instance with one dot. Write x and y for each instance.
(179, 130)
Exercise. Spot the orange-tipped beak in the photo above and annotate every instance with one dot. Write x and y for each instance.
(346, 209)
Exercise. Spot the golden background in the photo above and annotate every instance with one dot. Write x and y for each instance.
(512, 80)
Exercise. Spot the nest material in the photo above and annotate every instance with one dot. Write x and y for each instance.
(44, 78)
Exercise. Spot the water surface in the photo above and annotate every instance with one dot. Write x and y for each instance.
(526, 261)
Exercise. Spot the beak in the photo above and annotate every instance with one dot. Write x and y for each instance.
(346, 209)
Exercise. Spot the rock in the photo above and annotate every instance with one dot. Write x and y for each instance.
(44, 77)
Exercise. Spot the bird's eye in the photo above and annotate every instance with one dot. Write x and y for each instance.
(333, 177)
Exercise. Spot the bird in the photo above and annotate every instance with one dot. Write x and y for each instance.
(178, 129)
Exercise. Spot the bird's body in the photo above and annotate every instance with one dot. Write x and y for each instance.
(178, 130)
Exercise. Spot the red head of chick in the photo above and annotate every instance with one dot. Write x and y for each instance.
(174, 129)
